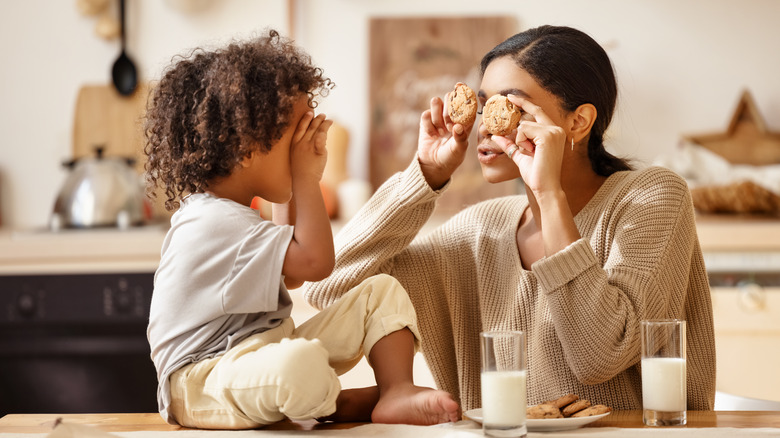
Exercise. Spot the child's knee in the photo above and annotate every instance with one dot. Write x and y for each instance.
(384, 288)
(294, 378)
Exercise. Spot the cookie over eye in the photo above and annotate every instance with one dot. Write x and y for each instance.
(462, 105)
(500, 116)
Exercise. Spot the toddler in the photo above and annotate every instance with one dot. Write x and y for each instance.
(223, 127)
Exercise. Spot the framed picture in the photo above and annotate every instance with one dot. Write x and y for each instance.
(411, 61)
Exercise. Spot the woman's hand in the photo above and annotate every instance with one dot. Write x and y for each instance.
(442, 144)
(539, 142)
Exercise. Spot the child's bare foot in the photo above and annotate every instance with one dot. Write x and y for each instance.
(354, 405)
(409, 404)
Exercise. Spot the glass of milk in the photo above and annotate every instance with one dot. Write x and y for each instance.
(664, 391)
(503, 381)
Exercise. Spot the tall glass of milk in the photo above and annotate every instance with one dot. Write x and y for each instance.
(664, 390)
(503, 382)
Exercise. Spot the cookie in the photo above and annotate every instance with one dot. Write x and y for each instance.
(563, 401)
(575, 407)
(593, 410)
(500, 116)
(543, 411)
(463, 105)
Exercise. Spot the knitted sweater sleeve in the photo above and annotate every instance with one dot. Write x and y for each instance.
(644, 267)
(381, 239)
(370, 242)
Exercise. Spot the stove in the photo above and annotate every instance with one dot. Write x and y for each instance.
(74, 307)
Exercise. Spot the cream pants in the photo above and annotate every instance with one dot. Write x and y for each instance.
(287, 371)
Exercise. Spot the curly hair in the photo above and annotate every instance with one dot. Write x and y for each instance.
(212, 109)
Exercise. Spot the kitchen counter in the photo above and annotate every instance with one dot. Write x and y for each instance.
(42, 423)
(738, 233)
(138, 249)
(91, 251)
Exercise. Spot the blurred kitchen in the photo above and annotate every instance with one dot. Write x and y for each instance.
(699, 93)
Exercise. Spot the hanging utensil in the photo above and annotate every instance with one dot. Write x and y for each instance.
(123, 72)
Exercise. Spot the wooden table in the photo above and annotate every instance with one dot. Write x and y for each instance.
(42, 423)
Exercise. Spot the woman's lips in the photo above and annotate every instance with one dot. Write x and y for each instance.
(487, 155)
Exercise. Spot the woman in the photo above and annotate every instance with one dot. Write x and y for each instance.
(590, 250)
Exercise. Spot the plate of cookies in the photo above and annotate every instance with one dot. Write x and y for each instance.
(564, 413)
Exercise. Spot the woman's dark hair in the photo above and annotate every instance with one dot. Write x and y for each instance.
(212, 109)
(572, 66)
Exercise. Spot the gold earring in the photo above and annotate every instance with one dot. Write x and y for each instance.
(572, 143)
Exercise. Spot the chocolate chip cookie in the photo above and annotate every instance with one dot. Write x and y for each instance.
(500, 116)
(462, 105)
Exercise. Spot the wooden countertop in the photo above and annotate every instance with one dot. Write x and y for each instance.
(42, 423)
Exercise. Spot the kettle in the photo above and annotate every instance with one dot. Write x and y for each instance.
(99, 192)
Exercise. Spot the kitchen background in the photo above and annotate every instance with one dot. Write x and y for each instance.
(681, 65)
(73, 305)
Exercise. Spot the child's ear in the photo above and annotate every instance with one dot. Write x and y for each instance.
(247, 160)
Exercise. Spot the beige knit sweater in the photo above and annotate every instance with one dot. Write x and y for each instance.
(639, 258)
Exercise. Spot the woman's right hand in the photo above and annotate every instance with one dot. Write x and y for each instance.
(442, 144)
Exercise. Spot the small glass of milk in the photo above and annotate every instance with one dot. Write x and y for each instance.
(664, 390)
(503, 383)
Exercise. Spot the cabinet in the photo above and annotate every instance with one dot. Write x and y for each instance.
(747, 340)
(743, 262)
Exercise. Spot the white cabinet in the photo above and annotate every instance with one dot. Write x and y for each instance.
(743, 260)
(747, 339)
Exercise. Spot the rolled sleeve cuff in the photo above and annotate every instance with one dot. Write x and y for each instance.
(415, 180)
(557, 270)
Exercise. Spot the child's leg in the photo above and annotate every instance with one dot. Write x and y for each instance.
(377, 317)
(400, 401)
(262, 380)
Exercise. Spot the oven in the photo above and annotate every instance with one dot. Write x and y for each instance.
(75, 344)
(74, 307)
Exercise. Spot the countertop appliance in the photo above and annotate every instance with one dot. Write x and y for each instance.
(99, 191)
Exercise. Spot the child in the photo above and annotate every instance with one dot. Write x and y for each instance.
(223, 127)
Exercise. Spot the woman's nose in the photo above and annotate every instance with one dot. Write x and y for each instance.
(481, 130)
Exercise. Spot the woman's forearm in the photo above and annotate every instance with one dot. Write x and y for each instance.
(557, 222)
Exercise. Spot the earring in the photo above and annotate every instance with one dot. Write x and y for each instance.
(572, 143)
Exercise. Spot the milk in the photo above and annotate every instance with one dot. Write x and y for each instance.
(504, 398)
(663, 384)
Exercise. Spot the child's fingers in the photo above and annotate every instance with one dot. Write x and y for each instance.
(321, 136)
(303, 126)
(313, 127)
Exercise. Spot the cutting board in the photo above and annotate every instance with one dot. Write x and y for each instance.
(104, 118)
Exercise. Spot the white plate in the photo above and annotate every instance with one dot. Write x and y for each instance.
(547, 424)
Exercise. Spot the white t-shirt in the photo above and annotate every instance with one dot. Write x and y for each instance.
(219, 281)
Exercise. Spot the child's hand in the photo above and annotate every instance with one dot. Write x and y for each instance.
(310, 256)
(307, 151)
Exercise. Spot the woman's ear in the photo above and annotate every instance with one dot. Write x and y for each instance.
(582, 120)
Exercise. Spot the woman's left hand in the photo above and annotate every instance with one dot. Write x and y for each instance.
(537, 148)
